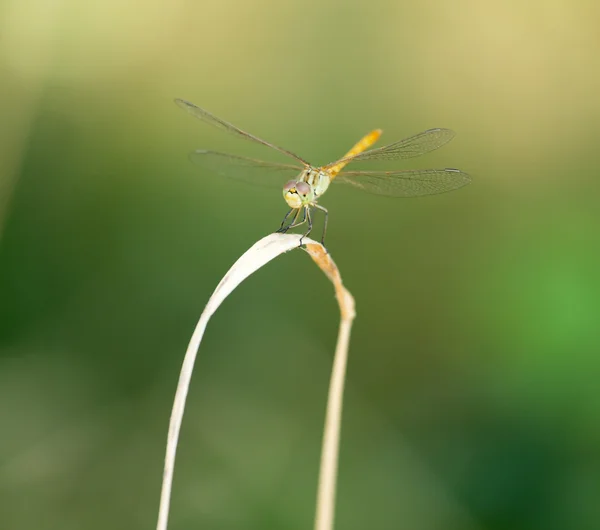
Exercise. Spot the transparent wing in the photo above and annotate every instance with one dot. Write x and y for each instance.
(408, 148)
(406, 183)
(207, 117)
(249, 170)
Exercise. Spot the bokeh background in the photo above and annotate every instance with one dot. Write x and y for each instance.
(472, 398)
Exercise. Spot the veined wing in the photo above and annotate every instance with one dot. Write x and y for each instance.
(250, 170)
(207, 117)
(406, 183)
(416, 145)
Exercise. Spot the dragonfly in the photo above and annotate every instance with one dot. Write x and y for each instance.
(304, 190)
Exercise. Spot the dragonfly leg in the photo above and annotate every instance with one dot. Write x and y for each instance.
(309, 219)
(281, 228)
(295, 224)
(325, 224)
(292, 223)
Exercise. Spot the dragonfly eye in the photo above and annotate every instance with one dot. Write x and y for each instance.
(303, 188)
(289, 185)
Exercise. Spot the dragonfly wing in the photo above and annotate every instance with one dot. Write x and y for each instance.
(406, 183)
(416, 145)
(249, 170)
(207, 117)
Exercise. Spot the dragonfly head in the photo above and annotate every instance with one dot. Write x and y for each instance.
(298, 193)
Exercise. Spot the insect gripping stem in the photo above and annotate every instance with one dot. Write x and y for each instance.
(362, 145)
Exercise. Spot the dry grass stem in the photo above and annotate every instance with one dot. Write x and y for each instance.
(257, 256)
(325, 511)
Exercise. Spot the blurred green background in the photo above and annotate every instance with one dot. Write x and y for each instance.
(472, 398)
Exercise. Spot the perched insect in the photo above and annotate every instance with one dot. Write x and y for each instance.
(302, 192)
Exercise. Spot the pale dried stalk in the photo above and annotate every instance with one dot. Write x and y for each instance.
(333, 418)
(258, 255)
